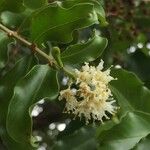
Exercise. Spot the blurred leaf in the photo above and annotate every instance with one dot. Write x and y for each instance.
(10, 19)
(86, 52)
(144, 144)
(81, 139)
(13, 145)
(139, 63)
(7, 84)
(134, 102)
(14, 6)
(39, 83)
(56, 23)
(4, 41)
(34, 4)
(142, 21)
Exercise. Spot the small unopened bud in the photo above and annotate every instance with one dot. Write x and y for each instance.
(56, 55)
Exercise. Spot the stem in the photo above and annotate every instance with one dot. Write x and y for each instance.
(27, 43)
(34, 48)
(69, 73)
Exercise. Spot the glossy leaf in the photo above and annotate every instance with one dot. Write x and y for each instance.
(4, 42)
(55, 23)
(144, 144)
(97, 7)
(7, 84)
(128, 133)
(39, 83)
(134, 101)
(86, 52)
(132, 95)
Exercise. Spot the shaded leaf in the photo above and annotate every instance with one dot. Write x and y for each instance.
(4, 42)
(84, 138)
(39, 83)
(14, 6)
(34, 4)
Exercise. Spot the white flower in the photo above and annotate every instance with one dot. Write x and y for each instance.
(89, 95)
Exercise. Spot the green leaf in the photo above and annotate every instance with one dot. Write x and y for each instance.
(6, 92)
(97, 7)
(10, 19)
(39, 83)
(7, 84)
(13, 145)
(4, 41)
(144, 144)
(134, 101)
(86, 52)
(128, 133)
(132, 95)
(14, 6)
(55, 23)
(34, 4)
(84, 138)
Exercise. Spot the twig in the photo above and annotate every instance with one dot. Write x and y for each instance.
(32, 46)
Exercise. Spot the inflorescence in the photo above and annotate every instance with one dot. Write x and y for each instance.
(90, 95)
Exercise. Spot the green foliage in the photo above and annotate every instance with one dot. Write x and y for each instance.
(4, 42)
(85, 52)
(50, 38)
(33, 87)
(84, 138)
(134, 102)
(56, 23)
(33, 4)
(6, 92)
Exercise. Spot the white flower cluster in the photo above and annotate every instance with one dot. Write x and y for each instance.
(89, 95)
